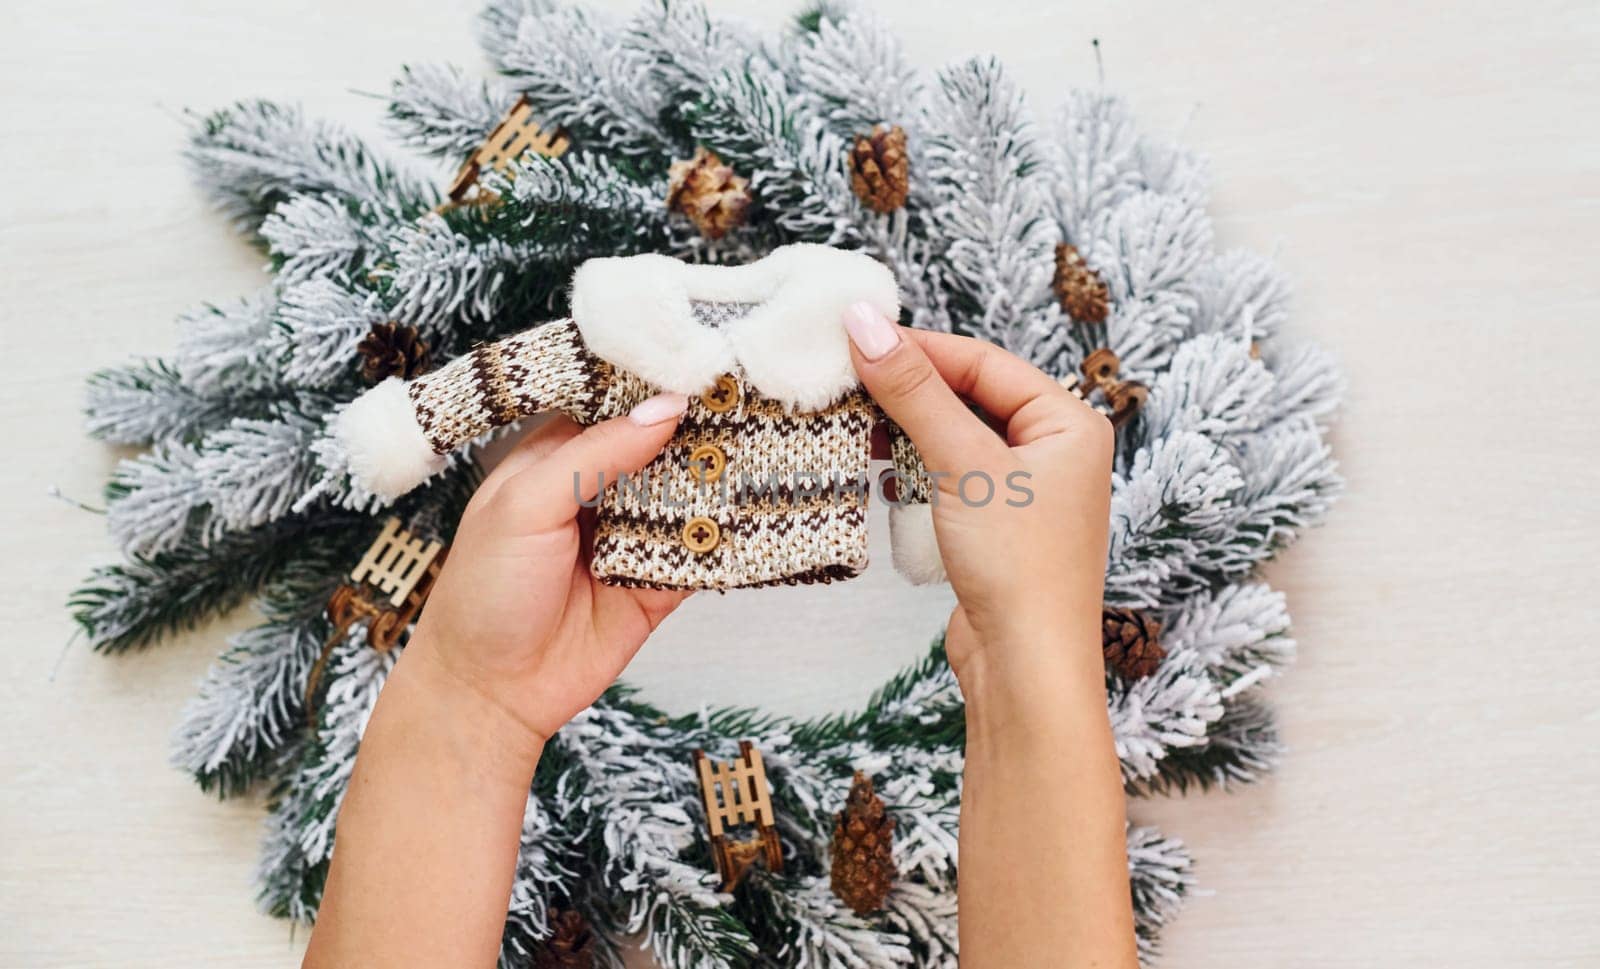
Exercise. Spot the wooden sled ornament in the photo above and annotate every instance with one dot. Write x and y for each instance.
(736, 794)
(387, 587)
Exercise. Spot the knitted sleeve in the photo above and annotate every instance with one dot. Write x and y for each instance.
(395, 436)
(546, 368)
(911, 476)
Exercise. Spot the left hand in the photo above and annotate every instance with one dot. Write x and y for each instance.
(516, 618)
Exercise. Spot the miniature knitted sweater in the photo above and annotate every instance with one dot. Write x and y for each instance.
(765, 480)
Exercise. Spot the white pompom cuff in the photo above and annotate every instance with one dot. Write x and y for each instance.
(914, 547)
(383, 443)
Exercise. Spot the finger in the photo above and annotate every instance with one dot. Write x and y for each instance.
(905, 384)
(1027, 401)
(544, 439)
(614, 603)
(550, 492)
(624, 618)
(541, 441)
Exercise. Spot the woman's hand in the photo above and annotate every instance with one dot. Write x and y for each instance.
(516, 616)
(1044, 868)
(1033, 556)
(516, 639)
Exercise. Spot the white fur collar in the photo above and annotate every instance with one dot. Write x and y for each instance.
(634, 312)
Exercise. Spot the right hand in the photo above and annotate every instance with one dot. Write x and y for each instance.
(1027, 579)
(516, 617)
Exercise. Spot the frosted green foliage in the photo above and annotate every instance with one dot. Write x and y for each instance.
(585, 204)
(577, 75)
(441, 111)
(320, 322)
(1237, 631)
(438, 274)
(256, 154)
(1148, 249)
(249, 705)
(849, 67)
(989, 227)
(1243, 294)
(1168, 710)
(310, 236)
(796, 166)
(152, 499)
(1158, 869)
(224, 349)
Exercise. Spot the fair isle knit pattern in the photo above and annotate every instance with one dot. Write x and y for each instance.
(546, 368)
(788, 507)
(782, 500)
(913, 486)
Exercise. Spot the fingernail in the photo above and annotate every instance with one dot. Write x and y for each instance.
(661, 407)
(873, 333)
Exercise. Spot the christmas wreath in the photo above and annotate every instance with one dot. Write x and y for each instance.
(672, 132)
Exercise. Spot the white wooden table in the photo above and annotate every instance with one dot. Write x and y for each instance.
(1430, 176)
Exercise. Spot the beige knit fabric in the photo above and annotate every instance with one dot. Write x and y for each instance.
(788, 507)
(546, 368)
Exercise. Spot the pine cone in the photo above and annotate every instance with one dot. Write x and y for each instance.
(1081, 293)
(880, 172)
(392, 350)
(571, 943)
(1131, 642)
(863, 857)
(709, 193)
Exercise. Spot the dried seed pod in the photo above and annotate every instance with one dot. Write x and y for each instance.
(880, 170)
(863, 868)
(709, 193)
(1080, 290)
(1131, 642)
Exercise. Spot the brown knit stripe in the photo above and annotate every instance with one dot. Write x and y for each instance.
(668, 531)
(619, 554)
(422, 406)
(912, 479)
(445, 403)
(667, 566)
(825, 574)
(490, 370)
(848, 422)
(763, 407)
(848, 493)
(603, 376)
(758, 502)
(754, 406)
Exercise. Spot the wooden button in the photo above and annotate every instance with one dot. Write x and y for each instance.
(707, 462)
(701, 534)
(723, 396)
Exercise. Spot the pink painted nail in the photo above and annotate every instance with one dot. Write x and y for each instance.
(873, 333)
(655, 410)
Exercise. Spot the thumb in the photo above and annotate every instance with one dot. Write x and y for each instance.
(550, 492)
(901, 378)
